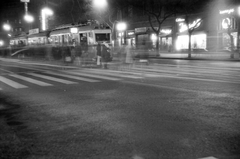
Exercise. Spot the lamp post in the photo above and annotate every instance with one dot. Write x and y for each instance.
(46, 12)
(238, 31)
(121, 27)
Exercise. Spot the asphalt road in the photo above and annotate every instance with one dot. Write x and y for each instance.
(172, 109)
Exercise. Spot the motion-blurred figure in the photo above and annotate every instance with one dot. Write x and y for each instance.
(106, 55)
(99, 53)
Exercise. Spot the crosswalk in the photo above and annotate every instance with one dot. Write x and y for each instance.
(66, 77)
(50, 78)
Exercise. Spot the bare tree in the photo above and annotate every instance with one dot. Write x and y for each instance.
(189, 10)
(106, 15)
(192, 25)
(157, 12)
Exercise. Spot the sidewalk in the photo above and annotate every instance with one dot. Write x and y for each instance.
(214, 56)
(217, 56)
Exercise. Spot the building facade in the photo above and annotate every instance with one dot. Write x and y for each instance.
(213, 30)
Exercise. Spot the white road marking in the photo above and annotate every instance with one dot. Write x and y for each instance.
(116, 71)
(208, 158)
(111, 74)
(52, 78)
(190, 78)
(40, 83)
(6, 70)
(12, 83)
(74, 77)
(94, 76)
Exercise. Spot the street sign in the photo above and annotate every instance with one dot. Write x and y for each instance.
(25, 1)
(34, 31)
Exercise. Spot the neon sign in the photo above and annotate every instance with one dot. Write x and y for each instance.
(195, 24)
(226, 23)
(180, 20)
(227, 11)
(166, 31)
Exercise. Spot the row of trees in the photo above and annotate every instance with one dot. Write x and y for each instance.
(156, 12)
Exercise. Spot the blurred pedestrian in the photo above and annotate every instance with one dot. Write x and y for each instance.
(144, 53)
(78, 55)
(99, 53)
(73, 53)
(129, 56)
(106, 55)
(66, 54)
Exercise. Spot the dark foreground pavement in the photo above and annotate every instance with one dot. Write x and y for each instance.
(162, 119)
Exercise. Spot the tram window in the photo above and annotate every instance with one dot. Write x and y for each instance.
(103, 37)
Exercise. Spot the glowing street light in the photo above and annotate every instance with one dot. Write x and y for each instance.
(6, 27)
(1, 43)
(45, 13)
(121, 27)
(28, 18)
(100, 3)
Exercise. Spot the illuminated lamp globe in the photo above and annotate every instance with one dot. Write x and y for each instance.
(28, 18)
(100, 3)
(6, 27)
(121, 26)
(47, 11)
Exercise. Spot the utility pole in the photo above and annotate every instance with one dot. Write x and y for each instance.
(25, 5)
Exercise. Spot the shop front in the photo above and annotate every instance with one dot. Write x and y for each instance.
(146, 35)
(198, 37)
(130, 38)
(198, 41)
(228, 29)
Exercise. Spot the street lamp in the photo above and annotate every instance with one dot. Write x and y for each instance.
(28, 18)
(45, 13)
(121, 27)
(100, 3)
(1, 43)
(6, 27)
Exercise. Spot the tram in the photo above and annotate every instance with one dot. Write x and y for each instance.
(65, 35)
(19, 40)
(80, 35)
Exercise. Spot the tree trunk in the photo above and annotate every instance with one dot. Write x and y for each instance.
(231, 45)
(157, 47)
(189, 45)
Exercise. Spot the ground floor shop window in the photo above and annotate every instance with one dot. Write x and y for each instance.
(198, 41)
(227, 41)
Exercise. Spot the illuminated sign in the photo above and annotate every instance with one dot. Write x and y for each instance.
(180, 20)
(34, 31)
(166, 31)
(195, 24)
(140, 30)
(227, 11)
(130, 33)
(74, 30)
(226, 23)
(25, 1)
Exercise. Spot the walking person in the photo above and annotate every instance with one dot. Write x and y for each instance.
(73, 54)
(144, 53)
(106, 55)
(129, 56)
(99, 53)
(78, 55)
